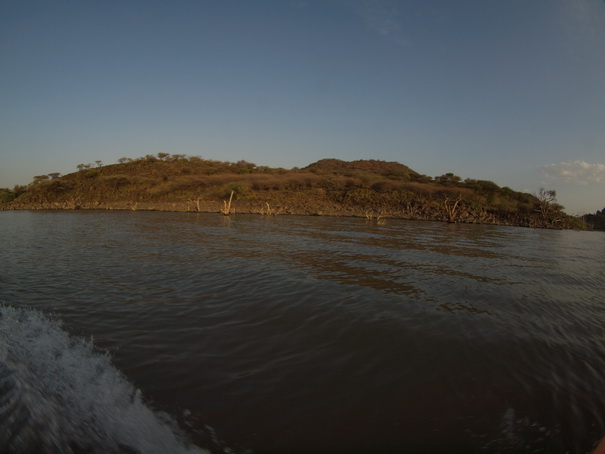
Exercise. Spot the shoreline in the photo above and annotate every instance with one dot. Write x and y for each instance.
(370, 189)
(375, 216)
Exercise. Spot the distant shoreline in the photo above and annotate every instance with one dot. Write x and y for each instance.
(370, 189)
(378, 219)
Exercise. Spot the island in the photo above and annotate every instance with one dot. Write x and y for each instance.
(373, 189)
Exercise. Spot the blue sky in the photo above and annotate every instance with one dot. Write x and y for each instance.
(511, 91)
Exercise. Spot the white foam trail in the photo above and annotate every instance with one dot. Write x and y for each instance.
(59, 395)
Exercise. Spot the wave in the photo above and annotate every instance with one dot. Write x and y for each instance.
(59, 395)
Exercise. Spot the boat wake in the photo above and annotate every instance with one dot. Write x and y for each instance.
(57, 394)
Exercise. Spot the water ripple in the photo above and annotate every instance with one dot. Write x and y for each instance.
(331, 334)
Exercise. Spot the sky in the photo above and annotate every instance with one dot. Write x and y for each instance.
(511, 91)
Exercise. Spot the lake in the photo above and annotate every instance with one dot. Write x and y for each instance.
(167, 332)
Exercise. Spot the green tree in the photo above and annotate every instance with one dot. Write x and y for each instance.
(6, 195)
(448, 179)
(40, 178)
(240, 189)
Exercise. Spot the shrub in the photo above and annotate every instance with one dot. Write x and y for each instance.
(421, 178)
(419, 188)
(448, 179)
(116, 181)
(239, 189)
(6, 195)
(359, 196)
(385, 186)
(265, 182)
(91, 173)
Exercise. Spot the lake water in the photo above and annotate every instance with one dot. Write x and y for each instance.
(167, 332)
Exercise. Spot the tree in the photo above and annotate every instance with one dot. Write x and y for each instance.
(547, 199)
(99, 163)
(246, 164)
(448, 179)
(243, 167)
(240, 189)
(548, 208)
(6, 195)
(452, 207)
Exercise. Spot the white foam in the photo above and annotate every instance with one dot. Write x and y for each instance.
(57, 394)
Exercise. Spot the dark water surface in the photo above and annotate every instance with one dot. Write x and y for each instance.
(299, 334)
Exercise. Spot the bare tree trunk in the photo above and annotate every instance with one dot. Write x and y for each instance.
(226, 210)
(452, 209)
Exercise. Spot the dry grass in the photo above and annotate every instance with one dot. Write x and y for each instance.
(371, 189)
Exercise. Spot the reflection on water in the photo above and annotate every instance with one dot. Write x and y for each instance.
(316, 334)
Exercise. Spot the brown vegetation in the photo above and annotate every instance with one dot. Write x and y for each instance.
(366, 188)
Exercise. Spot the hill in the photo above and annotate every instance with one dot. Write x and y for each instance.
(596, 221)
(369, 188)
(391, 170)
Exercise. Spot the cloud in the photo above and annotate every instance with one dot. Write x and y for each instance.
(577, 172)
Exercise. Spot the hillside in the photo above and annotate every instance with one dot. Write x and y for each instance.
(368, 188)
(596, 221)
